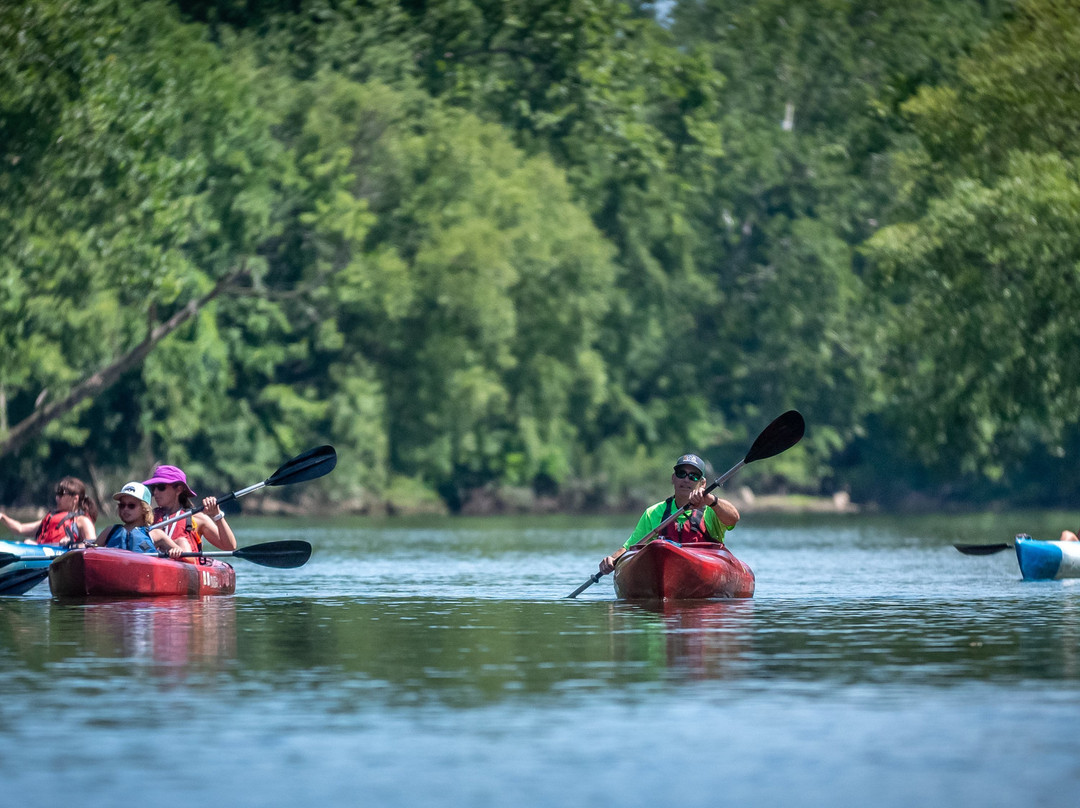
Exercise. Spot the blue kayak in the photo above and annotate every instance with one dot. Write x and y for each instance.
(24, 566)
(1047, 560)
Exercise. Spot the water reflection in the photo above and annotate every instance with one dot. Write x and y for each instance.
(175, 634)
(695, 640)
(438, 677)
(473, 651)
(172, 636)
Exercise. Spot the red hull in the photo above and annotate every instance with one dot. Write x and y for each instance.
(662, 570)
(99, 571)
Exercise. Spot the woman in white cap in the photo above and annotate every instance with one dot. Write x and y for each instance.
(173, 496)
(134, 532)
(708, 519)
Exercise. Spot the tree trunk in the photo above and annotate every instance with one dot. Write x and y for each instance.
(106, 377)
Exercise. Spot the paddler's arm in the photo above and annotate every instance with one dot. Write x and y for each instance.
(87, 531)
(644, 526)
(607, 564)
(164, 544)
(213, 527)
(20, 528)
(727, 513)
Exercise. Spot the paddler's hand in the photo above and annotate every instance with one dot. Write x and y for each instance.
(212, 509)
(174, 552)
(699, 499)
(607, 564)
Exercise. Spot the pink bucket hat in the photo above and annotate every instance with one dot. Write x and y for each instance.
(170, 474)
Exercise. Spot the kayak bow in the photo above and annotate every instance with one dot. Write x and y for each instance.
(664, 570)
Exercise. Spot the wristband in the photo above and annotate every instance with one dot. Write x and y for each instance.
(220, 516)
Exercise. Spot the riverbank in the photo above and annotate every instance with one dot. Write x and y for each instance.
(509, 501)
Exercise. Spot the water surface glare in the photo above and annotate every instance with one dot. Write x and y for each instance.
(439, 663)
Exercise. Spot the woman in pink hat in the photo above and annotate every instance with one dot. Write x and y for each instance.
(173, 495)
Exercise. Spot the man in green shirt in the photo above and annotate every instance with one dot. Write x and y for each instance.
(707, 519)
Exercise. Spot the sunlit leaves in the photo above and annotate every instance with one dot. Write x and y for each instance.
(986, 277)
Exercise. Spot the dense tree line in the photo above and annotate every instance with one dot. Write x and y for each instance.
(540, 247)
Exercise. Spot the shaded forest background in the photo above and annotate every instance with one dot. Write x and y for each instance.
(525, 253)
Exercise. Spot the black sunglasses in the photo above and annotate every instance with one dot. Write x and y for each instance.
(694, 476)
(63, 492)
(159, 486)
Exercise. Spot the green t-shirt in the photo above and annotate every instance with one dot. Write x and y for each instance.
(654, 515)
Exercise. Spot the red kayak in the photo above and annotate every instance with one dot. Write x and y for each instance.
(107, 571)
(663, 570)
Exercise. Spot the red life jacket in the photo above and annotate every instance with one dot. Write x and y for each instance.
(56, 526)
(182, 532)
(692, 529)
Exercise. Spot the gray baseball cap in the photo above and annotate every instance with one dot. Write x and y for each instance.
(691, 460)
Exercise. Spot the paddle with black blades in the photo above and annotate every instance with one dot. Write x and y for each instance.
(309, 465)
(982, 549)
(779, 436)
(21, 581)
(280, 554)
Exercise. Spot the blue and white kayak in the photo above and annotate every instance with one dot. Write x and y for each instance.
(1048, 560)
(24, 566)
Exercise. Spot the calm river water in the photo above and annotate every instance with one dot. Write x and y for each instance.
(439, 663)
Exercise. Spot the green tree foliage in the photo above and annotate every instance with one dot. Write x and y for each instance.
(632, 119)
(808, 114)
(136, 179)
(468, 286)
(519, 243)
(985, 274)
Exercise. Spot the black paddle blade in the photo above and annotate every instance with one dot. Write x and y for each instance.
(280, 554)
(22, 581)
(779, 436)
(9, 558)
(982, 549)
(313, 463)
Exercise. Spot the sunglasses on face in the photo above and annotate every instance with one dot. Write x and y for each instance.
(158, 486)
(694, 476)
(63, 492)
(123, 505)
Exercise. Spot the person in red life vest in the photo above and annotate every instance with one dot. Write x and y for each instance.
(134, 532)
(708, 518)
(173, 496)
(69, 524)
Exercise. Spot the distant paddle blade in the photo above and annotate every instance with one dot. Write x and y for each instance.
(22, 581)
(982, 549)
(310, 465)
(9, 558)
(280, 554)
(779, 436)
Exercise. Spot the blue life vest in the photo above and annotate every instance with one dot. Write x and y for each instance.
(137, 539)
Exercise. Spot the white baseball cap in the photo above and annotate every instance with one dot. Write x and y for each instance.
(134, 489)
